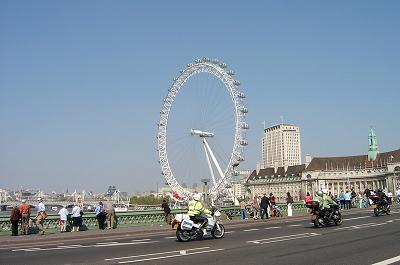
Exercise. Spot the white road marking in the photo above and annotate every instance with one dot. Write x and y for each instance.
(282, 238)
(253, 229)
(359, 226)
(293, 225)
(273, 227)
(154, 254)
(112, 244)
(229, 232)
(105, 243)
(388, 261)
(355, 218)
(171, 256)
(170, 237)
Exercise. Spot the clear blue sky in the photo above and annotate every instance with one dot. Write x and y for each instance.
(82, 82)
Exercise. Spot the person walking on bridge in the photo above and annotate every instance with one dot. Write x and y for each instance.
(14, 218)
(41, 215)
(25, 210)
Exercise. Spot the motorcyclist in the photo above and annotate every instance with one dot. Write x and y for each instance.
(383, 199)
(197, 211)
(325, 203)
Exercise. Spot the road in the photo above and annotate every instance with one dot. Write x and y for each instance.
(361, 239)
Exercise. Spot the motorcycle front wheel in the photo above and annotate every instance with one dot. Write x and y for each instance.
(217, 234)
(339, 219)
(182, 235)
(317, 223)
(376, 211)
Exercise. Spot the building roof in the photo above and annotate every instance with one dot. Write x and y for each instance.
(353, 162)
(270, 172)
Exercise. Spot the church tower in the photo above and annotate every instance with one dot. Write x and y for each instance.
(372, 146)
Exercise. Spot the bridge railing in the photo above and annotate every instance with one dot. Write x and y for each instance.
(137, 217)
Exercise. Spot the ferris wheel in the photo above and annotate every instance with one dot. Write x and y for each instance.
(202, 131)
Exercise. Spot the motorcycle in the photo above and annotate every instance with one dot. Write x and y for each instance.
(379, 207)
(186, 229)
(320, 218)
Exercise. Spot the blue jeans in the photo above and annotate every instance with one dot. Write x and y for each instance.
(243, 213)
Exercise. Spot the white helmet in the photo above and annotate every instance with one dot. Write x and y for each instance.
(197, 197)
(325, 191)
(320, 193)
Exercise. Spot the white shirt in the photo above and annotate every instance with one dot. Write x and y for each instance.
(63, 214)
(390, 195)
(398, 192)
(76, 211)
(41, 207)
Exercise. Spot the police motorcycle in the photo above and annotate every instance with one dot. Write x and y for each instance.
(186, 229)
(379, 206)
(321, 218)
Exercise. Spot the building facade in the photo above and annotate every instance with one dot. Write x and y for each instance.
(333, 173)
(281, 146)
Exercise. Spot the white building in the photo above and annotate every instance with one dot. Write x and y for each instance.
(281, 146)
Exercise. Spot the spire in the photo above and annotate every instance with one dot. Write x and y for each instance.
(372, 145)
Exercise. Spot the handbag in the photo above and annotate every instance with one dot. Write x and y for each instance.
(44, 215)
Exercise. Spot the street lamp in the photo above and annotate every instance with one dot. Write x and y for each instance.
(205, 190)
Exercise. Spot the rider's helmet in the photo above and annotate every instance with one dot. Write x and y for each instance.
(325, 191)
(197, 197)
(320, 193)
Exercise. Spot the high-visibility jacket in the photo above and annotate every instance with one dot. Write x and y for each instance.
(197, 208)
(325, 201)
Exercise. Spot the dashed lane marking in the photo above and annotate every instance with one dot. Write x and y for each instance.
(293, 225)
(157, 253)
(282, 238)
(104, 244)
(181, 254)
(253, 229)
(273, 227)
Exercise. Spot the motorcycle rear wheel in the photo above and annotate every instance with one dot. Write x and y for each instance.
(217, 234)
(182, 235)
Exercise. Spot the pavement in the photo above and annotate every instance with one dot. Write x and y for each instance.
(55, 235)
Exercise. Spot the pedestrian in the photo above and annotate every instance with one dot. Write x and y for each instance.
(256, 207)
(398, 194)
(289, 201)
(342, 200)
(353, 197)
(100, 215)
(62, 218)
(110, 214)
(367, 193)
(390, 197)
(243, 210)
(272, 202)
(76, 218)
(167, 212)
(360, 200)
(347, 198)
(308, 197)
(264, 204)
(25, 210)
(41, 215)
(14, 218)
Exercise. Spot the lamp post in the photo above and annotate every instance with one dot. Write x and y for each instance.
(205, 190)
